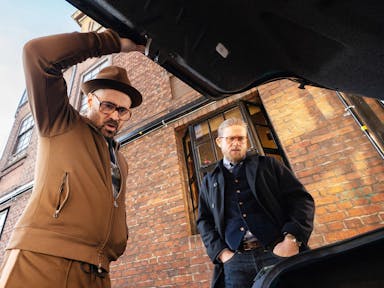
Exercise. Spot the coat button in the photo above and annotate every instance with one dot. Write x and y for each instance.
(244, 215)
(236, 181)
(237, 191)
(242, 229)
(241, 203)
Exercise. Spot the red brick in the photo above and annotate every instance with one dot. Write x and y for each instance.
(330, 217)
(335, 226)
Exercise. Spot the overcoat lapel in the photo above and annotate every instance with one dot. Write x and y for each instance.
(250, 171)
(220, 200)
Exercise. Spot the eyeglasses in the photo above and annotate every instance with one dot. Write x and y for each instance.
(109, 107)
(231, 139)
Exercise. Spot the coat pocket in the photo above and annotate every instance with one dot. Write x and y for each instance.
(62, 195)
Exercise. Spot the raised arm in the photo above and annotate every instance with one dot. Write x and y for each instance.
(44, 60)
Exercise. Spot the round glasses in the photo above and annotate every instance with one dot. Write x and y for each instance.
(108, 108)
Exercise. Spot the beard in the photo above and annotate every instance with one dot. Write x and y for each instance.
(236, 155)
(109, 128)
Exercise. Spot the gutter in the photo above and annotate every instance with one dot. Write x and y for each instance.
(165, 120)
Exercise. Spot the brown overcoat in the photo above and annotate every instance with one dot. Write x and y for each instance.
(71, 212)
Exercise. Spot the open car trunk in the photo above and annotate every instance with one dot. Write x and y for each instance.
(225, 47)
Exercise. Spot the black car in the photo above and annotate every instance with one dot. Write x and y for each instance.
(351, 263)
(337, 45)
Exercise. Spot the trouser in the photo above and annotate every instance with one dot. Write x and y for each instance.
(241, 269)
(23, 268)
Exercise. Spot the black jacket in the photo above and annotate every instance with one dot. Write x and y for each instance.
(283, 198)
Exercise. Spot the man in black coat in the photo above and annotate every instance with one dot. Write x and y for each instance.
(253, 212)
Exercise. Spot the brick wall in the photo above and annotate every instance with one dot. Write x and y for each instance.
(17, 206)
(15, 173)
(331, 156)
(160, 252)
(326, 150)
(156, 86)
(324, 147)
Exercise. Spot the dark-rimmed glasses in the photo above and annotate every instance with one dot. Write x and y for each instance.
(108, 108)
(231, 139)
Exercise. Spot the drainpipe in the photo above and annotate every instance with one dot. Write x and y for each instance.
(363, 127)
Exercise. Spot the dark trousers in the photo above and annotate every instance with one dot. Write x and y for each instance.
(241, 269)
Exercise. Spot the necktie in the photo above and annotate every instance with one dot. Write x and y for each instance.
(115, 171)
(111, 152)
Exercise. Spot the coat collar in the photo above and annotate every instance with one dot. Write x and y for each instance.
(251, 166)
(251, 163)
(115, 144)
(250, 157)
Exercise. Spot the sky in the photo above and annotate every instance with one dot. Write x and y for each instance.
(21, 21)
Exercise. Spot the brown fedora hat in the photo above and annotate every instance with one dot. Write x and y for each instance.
(113, 77)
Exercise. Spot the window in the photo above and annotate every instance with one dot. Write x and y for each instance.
(3, 218)
(88, 76)
(83, 104)
(69, 75)
(24, 98)
(202, 153)
(264, 132)
(94, 26)
(24, 135)
(90, 25)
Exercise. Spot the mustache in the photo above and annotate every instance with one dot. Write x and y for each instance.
(112, 123)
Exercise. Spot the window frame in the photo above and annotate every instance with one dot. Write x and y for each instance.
(22, 131)
(2, 222)
(195, 172)
(82, 99)
(23, 99)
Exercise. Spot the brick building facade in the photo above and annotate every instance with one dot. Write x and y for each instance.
(167, 145)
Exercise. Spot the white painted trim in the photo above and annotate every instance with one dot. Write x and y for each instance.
(16, 192)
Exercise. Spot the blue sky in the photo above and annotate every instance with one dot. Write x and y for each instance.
(21, 21)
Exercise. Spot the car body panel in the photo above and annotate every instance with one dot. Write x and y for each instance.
(351, 263)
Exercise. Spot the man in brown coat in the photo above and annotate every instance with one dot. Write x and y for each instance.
(74, 224)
